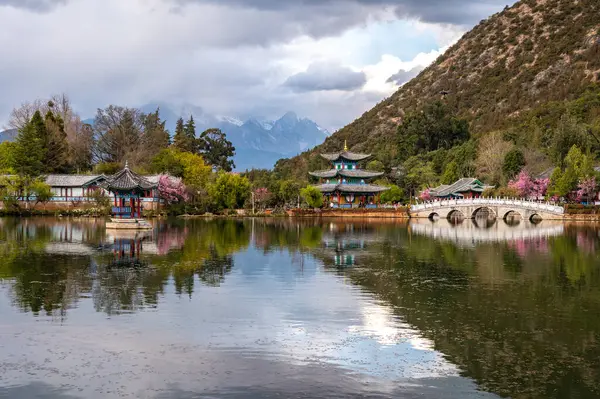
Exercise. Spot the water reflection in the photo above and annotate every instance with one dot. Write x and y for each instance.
(267, 307)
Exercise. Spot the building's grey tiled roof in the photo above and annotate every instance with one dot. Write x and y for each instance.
(351, 156)
(546, 174)
(128, 180)
(357, 173)
(72, 180)
(351, 188)
(462, 185)
(327, 188)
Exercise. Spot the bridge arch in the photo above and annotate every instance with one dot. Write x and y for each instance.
(484, 211)
(535, 218)
(433, 216)
(512, 214)
(455, 215)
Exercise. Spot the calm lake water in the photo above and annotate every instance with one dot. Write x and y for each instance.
(308, 309)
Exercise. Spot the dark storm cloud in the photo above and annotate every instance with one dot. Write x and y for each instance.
(34, 5)
(457, 12)
(324, 77)
(403, 76)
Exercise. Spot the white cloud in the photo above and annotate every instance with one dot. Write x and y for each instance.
(228, 58)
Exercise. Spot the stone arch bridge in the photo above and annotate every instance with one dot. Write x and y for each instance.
(491, 207)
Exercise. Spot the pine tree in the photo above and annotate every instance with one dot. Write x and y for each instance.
(57, 147)
(190, 134)
(30, 152)
(179, 140)
(156, 137)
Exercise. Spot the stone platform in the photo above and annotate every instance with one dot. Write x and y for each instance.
(128, 224)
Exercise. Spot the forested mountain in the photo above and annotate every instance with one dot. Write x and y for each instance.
(525, 73)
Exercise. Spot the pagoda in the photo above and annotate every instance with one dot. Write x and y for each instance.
(128, 189)
(346, 185)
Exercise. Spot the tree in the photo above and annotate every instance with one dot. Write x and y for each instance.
(55, 142)
(172, 189)
(155, 137)
(42, 192)
(490, 157)
(181, 140)
(217, 150)
(586, 189)
(9, 192)
(312, 196)
(376, 166)
(168, 161)
(29, 151)
(7, 157)
(425, 195)
(107, 168)
(523, 184)
(261, 196)
(432, 128)
(569, 132)
(578, 167)
(287, 192)
(80, 137)
(451, 173)
(514, 161)
(190, 134)
(416, 174)
(394, 195)
(229, 191)
(119, 131)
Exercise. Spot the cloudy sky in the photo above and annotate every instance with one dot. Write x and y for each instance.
(329, 60)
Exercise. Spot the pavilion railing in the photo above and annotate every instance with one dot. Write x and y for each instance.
(117, 210)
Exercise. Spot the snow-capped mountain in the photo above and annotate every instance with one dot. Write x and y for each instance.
(259, 143)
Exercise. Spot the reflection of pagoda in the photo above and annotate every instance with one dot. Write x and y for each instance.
(127, 247)
(344, 243)
(347, 186)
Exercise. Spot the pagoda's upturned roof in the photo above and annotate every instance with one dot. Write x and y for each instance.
(357, 173)
(351, 188)
(350, 156)
(126, 180)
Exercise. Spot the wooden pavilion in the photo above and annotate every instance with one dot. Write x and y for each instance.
(128, 189)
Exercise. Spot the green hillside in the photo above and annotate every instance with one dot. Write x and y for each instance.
(519, 79)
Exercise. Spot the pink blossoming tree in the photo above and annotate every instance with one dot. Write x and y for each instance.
(527, 187)
(262, 196)
(523, 184)
(172, 189)
(425, 195)
(586, 189)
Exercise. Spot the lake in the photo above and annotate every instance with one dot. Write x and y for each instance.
(279, 308)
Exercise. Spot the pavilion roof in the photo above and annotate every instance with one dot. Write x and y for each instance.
(128, 180)
(351, 188)
(460, 186)
(357, 173)
(350, 156)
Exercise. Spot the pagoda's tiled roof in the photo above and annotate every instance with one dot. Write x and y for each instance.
(351, 188)
(72, 180)
(350, 156)
(461, 186)
(128, 180)
(357, 173)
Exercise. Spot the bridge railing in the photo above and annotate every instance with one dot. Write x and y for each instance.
(507, 202)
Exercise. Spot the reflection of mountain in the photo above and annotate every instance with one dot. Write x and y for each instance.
(470, 234)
